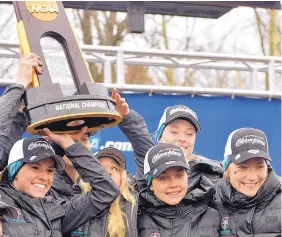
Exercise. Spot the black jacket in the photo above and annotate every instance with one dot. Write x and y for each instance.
(258, 216)
(63, 186)
(12, 123)
(46, 217)
(191, 218)
(97, 227)
(211, 169)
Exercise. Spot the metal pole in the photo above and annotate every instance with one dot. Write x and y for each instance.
(120, 67)
(133, 88)
(162, 53)
(254, 78)
(107, 70)
(271, 75)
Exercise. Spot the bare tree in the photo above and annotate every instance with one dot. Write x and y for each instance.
(109, 31)
(268, 31)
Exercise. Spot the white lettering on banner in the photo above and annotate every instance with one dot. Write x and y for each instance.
(122, 146)
(183, 109)
(41, 144)
(166, 153)
(250, 139)
(78, 105)
(94, 143)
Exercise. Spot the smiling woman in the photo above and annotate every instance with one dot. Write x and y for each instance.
(167, 208)
(29, 176)
(250, 189)
(248, 177)
(31, 166)
(35, 179)
(171, 186)
(179, 125)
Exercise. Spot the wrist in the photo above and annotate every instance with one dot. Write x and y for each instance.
(24, 84)
(66, 144)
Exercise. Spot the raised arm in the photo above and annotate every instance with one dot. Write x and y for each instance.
(13, 122)
(135, 129)
(81, 208)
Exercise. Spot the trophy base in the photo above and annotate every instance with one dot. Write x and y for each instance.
(46, 107)
(73, 123)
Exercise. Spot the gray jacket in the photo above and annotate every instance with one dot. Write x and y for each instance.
(12, 123)
(46, 217)
(258, 216)
(191, 218)
(12, 126)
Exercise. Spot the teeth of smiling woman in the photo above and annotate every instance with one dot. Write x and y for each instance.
(39, 186)
(250, 185)
(174, 193)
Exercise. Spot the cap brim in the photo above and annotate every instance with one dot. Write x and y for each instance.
(7, 208)
(187, 117)
(160, 169)
(59, 162)
(241, 157)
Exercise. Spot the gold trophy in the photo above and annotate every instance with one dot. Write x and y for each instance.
(64, 98)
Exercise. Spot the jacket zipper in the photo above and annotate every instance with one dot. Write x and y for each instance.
(49, 223)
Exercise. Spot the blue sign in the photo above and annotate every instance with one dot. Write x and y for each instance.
(218, 117)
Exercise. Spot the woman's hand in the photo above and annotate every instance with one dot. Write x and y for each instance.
(27, 63)
(64, 140)
(121, 106)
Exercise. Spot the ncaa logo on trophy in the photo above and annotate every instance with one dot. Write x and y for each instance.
(64, 98)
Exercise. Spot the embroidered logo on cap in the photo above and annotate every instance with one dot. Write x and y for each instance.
(155, 171)
(250, 139)
(166, 153)
(40, 144)
(170, 162)
(183, 109)
(32, 158)
(253, 151)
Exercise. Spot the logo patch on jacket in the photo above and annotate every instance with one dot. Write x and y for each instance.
(225, 227)
(155, 234)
